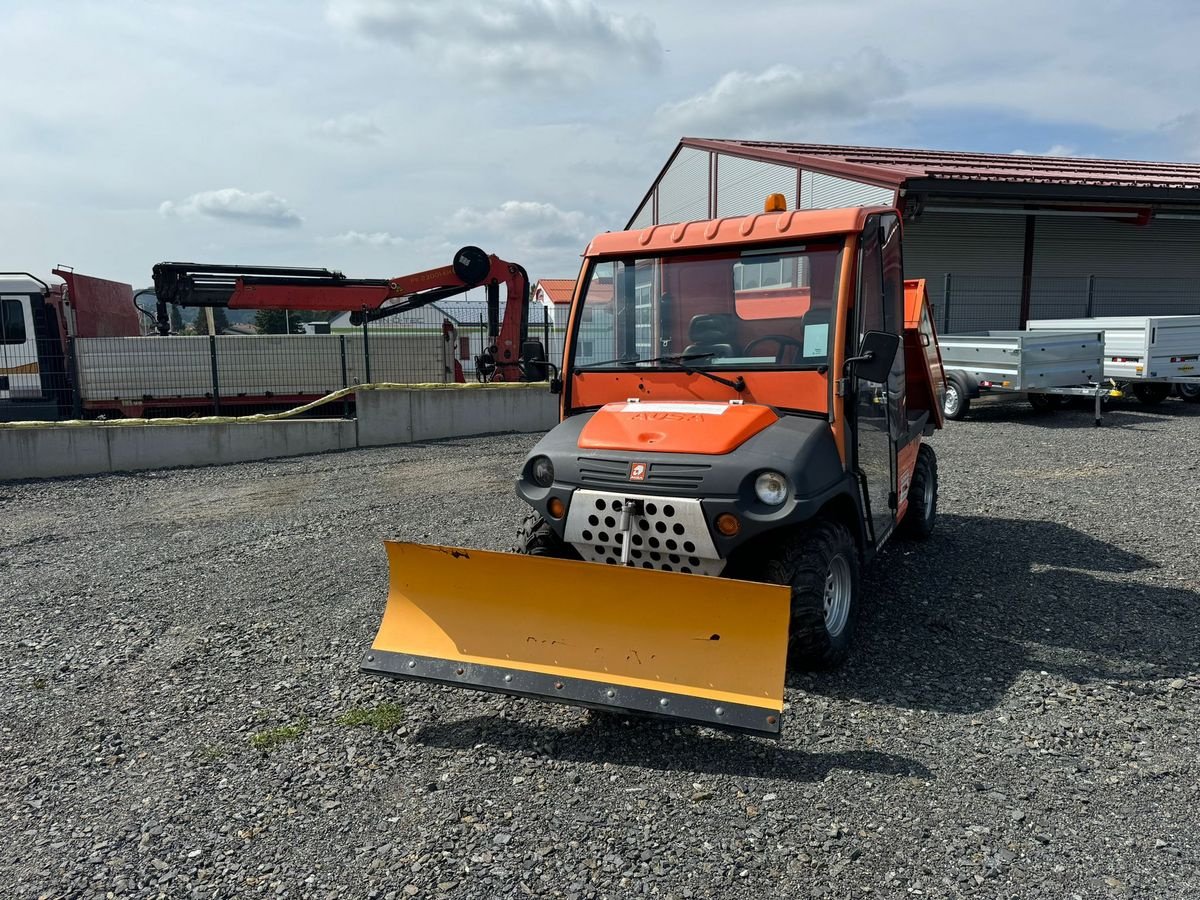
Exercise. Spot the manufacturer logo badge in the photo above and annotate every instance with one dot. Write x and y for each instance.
(637, 471)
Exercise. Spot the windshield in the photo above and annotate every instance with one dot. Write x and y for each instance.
(745, 310)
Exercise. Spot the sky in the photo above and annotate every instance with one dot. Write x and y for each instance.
(378, 136)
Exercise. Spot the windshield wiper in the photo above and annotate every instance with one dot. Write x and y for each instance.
(678, 359)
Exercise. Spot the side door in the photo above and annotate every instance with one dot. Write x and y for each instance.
(875, 450)
(19, 377)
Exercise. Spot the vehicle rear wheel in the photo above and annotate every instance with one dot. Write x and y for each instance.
(1189, 391)
(957, 401)
(535, 537)
(922, 497)
(1152, 393)
(820, 563)
(1045, 402)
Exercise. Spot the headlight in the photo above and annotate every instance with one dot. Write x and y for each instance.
(542, 471)
(771, 488)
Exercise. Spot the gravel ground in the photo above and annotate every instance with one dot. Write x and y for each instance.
(179, 687)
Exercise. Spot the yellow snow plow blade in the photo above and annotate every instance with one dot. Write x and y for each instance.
(702, 649)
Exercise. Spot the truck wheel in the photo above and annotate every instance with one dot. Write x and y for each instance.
(922, 497)
(1152, 393)
(535, 537)
(957, 401)
(820, 563)
(1189, 391)
(1045, 402)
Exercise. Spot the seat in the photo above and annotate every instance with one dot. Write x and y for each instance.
(712, 333)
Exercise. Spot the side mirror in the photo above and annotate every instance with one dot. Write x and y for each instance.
(875, 356)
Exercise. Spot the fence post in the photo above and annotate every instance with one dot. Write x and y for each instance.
(366, 349)
(73, 380)
(1091, 297)
(345, 378)
(216, 385)
(546, 330)
(946, 305)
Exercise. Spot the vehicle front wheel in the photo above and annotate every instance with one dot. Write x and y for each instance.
(820, 563)
(1189, 391)
(957, 401)
(535, 537)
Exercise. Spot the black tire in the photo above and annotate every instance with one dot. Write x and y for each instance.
(535, 537)
(1152, 393)
(804, 559)
(921, 514)
(1189, 391)
(1045, 402)
(958, 400)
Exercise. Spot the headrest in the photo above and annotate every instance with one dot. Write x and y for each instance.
(714, 328)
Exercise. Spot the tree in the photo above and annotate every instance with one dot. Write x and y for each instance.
(276, 321)
(200, 323)
(176, 320)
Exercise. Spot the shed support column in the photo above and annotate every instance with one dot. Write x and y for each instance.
(1027, 270)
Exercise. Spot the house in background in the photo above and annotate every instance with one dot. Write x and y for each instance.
(554, 294)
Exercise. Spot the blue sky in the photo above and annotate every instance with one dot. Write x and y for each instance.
(376, 136)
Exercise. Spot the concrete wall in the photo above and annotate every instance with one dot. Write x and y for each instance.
(422, 414)
(384, 417)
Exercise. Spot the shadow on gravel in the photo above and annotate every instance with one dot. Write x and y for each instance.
(665, 746)
(1127, 415)
(951, 623)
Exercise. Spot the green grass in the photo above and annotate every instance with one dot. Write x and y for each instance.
(274, 738)
(211, 753)
(384, 717)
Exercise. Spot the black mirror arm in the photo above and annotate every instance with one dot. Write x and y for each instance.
(866, 357)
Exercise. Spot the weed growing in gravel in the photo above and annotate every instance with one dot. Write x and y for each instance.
(384, 717)
(211, 753)
(273, 738)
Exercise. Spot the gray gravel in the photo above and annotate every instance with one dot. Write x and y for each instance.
(1019, 719)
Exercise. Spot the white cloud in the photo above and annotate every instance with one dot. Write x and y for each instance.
(780, 99)
(1056, 150)
(351, 128)
(526, 225)
(367, 239)
(516, 42)
(236, 205)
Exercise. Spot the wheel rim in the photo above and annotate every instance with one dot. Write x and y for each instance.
(951, 404)
(838, 585)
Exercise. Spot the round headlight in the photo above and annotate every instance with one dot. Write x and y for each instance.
(542, 471)
(771, 488)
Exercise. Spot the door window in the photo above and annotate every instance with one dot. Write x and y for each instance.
(12, 321)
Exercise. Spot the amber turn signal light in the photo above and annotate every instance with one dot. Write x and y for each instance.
(556, 507)
(728, 524)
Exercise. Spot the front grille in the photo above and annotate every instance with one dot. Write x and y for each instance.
(685, 477)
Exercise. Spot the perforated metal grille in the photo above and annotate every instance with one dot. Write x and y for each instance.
(670, 533)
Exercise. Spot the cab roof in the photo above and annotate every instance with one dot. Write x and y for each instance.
(733, 230)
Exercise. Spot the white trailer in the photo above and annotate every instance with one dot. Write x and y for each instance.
(1147, 353)
(1046, 366)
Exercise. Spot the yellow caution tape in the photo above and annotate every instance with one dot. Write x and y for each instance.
(286, 414)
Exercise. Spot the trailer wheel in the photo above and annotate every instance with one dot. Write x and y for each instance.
(535, 537)
(957, 401)
(820, 563)
(1152, 393)
(1045, 402)
(921, 514)
(1189, 391)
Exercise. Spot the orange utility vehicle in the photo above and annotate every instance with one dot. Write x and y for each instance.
(743, 407)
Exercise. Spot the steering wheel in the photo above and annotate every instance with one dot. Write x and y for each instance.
(783, 340)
